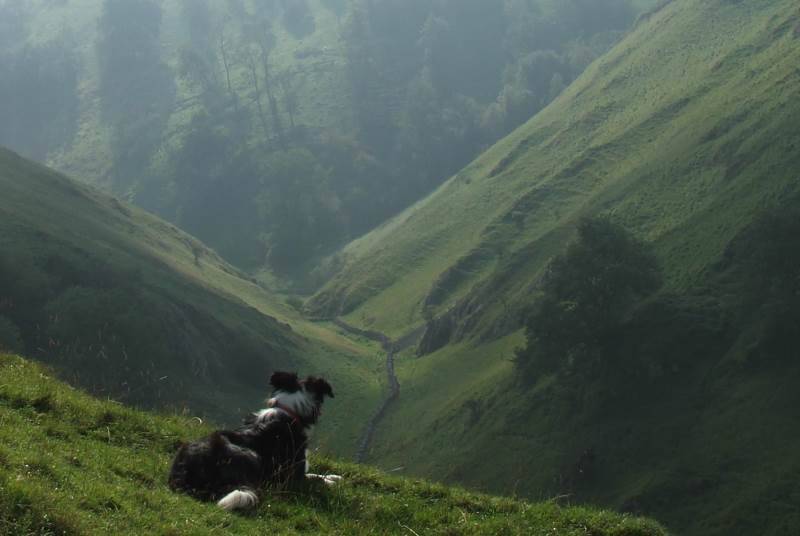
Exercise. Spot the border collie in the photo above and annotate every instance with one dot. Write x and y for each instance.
(232, 467)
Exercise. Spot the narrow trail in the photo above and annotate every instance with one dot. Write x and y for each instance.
(391, 348)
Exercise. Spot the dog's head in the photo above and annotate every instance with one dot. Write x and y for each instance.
(302, 397)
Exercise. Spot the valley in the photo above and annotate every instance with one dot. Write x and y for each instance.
(277, 131)
(392, 348)
(692, 152)
(541, 250)
(130, 307)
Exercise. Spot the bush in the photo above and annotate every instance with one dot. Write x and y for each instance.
(587, 293)
(760, 274)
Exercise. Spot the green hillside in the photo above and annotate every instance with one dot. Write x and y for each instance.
(685, 134)
(70, 464)
(131, 308)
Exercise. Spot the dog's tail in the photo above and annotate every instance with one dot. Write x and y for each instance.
(241, 499)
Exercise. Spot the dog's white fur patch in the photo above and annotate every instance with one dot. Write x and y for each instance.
(265, 414)
(299, 402)
(238, 500)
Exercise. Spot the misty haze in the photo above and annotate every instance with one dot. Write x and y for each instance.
(537, 260)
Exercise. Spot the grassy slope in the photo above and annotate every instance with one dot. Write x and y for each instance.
(317, 61)
(684, 131)
(704, 457)
(43, 213)
(73, 465)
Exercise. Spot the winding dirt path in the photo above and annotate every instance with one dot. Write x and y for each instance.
(391, 348)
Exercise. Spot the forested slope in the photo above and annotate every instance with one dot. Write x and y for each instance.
(277, 130)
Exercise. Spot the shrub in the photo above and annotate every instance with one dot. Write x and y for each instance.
(587, 293)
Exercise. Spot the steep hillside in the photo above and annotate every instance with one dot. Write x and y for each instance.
(128, 306)
(72, 465)
(686, 135)
(684, 132)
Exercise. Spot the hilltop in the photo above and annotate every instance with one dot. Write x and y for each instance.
(70, 464)
(684, 135)
(131, 308)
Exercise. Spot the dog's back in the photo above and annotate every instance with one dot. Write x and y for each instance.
(212, 467)
(230, 467)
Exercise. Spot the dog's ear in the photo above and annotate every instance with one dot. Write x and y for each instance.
(285, 381)
(319, 386)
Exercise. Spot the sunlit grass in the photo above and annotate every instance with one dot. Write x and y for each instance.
(73, 465)
(663, 133)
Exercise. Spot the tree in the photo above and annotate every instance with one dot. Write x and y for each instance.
(39, 102)
(297, 18)
(196, 71)
(222, 44)
(297, 207)
(137, 88)
(132, 75)
(199, 26)
(587, 292)
(288, 87)
(261, 42)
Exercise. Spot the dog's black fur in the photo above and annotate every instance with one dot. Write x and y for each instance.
(270, 449)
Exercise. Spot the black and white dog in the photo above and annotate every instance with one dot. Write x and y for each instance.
(232, 467)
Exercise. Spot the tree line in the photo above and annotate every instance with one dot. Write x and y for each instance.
(215, 131)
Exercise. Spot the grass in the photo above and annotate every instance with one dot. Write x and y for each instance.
(685, 133)
(70, 464)
(708, 450)
(427, 403)
(45, 215)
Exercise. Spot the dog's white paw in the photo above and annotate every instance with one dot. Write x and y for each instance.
(238, 500)
(332, 480)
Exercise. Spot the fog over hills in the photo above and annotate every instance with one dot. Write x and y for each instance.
(278, 130)
(541, 248)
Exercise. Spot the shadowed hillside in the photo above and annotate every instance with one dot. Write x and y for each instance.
(131, 308)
